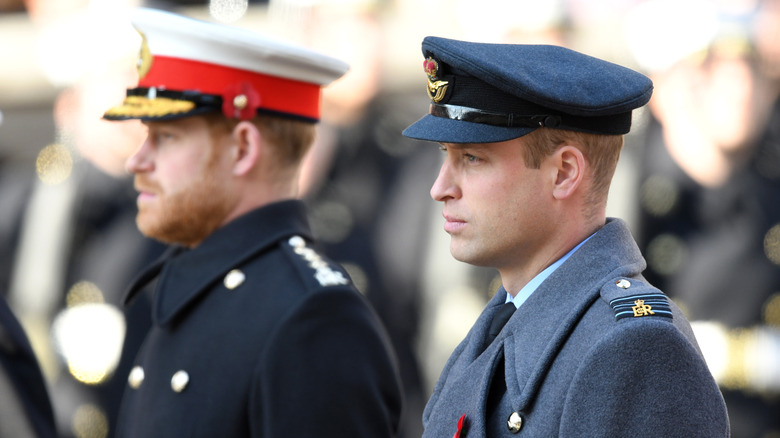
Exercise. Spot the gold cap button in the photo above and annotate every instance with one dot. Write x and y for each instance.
(240, 101)
(623, 283)
(234, 279)
(136, 377)
(180, 380)
(514, 423)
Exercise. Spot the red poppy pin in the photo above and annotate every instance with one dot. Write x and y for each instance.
(460, 427)
(431, 68)
(240, 101)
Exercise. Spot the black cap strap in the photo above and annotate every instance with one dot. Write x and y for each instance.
(510, 120)
(614, 124)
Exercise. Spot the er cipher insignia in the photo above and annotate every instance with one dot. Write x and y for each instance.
(637, 306)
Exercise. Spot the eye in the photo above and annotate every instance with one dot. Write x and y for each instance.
(471, 158)
(161, 136)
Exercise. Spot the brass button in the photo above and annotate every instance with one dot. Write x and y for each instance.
(514, 423)
(234, 279)
(180, 380)
(623, 283)
(240, 101)
(136, 377)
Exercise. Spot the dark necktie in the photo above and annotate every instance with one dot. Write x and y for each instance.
(498, 386)
(500, 319)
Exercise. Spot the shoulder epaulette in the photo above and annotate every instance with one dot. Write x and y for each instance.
(632, 298)
(322, 271)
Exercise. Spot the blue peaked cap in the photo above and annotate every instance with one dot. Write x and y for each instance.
(484, 93)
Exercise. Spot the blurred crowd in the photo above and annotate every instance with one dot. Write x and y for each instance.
(698, 181)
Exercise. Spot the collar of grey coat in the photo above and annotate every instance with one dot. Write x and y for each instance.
(553, 311)
(194, 271)
(564, 297)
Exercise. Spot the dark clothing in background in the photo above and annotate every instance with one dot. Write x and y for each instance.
(372, 213)
(716, 252)
(103, 247)
(19, 367)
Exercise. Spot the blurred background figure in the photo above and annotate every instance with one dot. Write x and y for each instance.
(68, 233)
(365, 184)
(697, 181)
(709, 190)
(25, 406)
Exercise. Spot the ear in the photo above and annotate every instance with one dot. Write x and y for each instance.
(247, 149)
(569, 164)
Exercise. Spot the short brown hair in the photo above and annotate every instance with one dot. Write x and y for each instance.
(292, 138)
(601, 151)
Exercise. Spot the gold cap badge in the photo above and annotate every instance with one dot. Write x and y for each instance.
(436, 87)
(144, 62)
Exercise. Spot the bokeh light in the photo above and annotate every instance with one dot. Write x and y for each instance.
(90, 337)
(54, 164)
(666, 254)
(772, 244)
(90, 422)
(658, 195)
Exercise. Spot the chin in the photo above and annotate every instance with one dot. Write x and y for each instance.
(474, 256)
(464, 256)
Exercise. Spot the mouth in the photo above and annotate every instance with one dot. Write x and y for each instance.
(145, 194)
(453, 224)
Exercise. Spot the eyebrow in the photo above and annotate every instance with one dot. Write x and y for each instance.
(466, 146)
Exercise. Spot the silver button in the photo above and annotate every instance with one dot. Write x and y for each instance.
(234, 279)
(136, 377)
(297, 242)
(514, 423)
(180, 380)
(623, 283)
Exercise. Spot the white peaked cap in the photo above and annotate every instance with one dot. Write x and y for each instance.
(188, 66)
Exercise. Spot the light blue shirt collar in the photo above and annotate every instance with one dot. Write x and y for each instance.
(532, 285)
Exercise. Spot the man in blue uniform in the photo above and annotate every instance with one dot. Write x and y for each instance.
(532, 136)
(255, 333)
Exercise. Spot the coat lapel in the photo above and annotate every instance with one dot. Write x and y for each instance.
(562, 299)
(186, 277)
(463, 384)
(182, 276)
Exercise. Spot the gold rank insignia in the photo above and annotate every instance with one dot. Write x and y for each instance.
(436, 87)
(641, 305)
(642, 309)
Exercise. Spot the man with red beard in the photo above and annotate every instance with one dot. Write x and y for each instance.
(255, 333)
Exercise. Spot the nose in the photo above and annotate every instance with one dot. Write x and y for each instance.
(445, 187)
(140, 161)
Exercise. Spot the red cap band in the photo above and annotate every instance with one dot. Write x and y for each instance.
(276, 94)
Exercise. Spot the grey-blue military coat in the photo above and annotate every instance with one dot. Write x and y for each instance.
(577, 362)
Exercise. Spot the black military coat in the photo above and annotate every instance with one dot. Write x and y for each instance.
(256, 334)
(19, 367)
